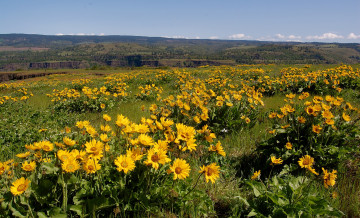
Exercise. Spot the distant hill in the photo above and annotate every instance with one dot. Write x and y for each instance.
(31, 51)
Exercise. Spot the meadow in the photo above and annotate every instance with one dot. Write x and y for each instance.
(227, 141)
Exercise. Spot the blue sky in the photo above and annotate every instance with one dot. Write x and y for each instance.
(276, 20)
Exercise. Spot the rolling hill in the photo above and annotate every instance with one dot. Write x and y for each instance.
(31, 51)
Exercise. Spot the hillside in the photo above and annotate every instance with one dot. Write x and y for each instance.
(26, 51)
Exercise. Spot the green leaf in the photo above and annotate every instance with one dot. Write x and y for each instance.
(258, 188)
(78, 209)
(100, 203)
(275, 181)
(274, 198)
(41, 215)
(49, 168)
(15, 212)
(279, 212)
(72, 180)
(243, 200)
(56, 212)
(78, 197)
(289, 192)
(252, 213)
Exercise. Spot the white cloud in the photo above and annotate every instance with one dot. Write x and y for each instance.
(293, 37)
(213, 37)
(80, 34)
(285, 38)
(85, 34)
(266, 38)
(197, 37)
(280, 36)
(353, 36)
(326, 36)
(177, 37)
(239, 36)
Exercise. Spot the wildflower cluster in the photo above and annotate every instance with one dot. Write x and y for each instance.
(323, 127)
(150, 149)
(149, 92)
(21, 94)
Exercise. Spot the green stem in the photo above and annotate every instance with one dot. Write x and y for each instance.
(64, 206)
(267, 182)
(194, 186)
(29, 207)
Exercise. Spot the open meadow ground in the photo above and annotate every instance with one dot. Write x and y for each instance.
(247, 140)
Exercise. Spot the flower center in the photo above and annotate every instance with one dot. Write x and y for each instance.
(155, 158)
(178, 170)
(21, 188)
(183, 135)
(124, 164)
(93, 149)
(209, 172)
(91, 167)
(70, 167)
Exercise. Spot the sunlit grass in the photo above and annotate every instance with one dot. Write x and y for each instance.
(26, 118)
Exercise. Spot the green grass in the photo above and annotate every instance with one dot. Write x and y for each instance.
(240, 145)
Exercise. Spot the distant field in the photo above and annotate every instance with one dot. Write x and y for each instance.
(12, 48)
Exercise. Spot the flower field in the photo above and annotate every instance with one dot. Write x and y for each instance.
(249, 140)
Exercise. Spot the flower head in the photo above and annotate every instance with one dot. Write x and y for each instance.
(122, 121)
(211, 172)
(63, 155)
(276, 161)
(104, 138)
(209, 136)
(70, 165)
(91, 166)
(316, 129)
(4, 167)
(180, 168)
(346, 117)
(184, 132)
(94, 147)
(218, 148)
(156, 157)
(19, 186)
(301, 119)
(256, 175)
(145, 140)
(46, 146)
(135, 154)
(288, 146)
(329, 178)
(68, 141)
(23, 155)
(106, 117)
(29, 166)
(124, 163)
(306, 161)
